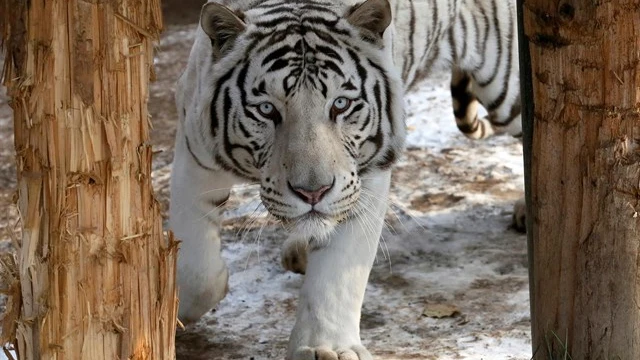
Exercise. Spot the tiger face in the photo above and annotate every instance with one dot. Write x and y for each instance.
(306, 101)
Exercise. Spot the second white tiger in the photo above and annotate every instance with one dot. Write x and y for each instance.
(306, 98)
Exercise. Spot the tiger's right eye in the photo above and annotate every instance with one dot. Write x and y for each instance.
(267, 109)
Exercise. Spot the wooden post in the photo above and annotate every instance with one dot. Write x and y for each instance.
(97, 274)
(581, 92)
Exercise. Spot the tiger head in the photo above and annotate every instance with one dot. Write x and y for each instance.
(305, 100)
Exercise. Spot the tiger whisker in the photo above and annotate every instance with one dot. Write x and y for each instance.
(393, 203)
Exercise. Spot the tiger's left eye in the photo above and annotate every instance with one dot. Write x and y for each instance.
(340, 105)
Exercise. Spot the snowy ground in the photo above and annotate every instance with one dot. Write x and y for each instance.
(447, 242)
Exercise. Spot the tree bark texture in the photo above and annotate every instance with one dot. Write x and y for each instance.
(97, 274)
(584, 194)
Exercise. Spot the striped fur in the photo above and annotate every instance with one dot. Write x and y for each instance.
(477, 41)
(306, 98)
(277, 62)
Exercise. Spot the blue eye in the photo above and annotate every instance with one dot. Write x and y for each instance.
(266, 109)
(341, 104)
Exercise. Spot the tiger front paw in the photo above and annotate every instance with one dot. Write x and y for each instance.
(294, 254)
(356, 352)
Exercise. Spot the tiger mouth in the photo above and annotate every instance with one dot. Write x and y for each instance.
(315, 216)
(314, 223)
(308, 217)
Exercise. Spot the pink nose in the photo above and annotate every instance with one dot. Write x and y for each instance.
(311, 197)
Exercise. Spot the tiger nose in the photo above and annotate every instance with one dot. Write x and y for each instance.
(311, 196)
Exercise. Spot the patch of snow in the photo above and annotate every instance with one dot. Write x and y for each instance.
(4, 357)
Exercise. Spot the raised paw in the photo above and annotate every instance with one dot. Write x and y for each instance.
(357, 352)
(294, 254)
(520, 216)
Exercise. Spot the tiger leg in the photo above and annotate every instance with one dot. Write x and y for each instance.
(294, 254)
(502, 101)
(328, 316)
(197, 194)
(519, 215)
(466, 105)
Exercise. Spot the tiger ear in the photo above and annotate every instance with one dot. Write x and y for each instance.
(222, 25)
(373, 16)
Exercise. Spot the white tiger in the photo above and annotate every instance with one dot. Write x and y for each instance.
(306, 98)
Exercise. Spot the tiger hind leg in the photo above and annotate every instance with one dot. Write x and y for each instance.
(467, 96)
(466, 106)
(519, 216)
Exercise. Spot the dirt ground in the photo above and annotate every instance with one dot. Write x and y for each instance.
(447, 242)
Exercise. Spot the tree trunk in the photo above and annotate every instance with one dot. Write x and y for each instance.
(97, 274)
(582, 111)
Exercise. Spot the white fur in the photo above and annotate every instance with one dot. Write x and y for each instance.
(336, 277)
(202, 274)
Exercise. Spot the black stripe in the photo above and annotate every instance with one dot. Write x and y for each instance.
(216, 92)
(274, 201)
(280, 21)
(498, 36)
(276, 55)
(476, 30)
(195, 158)
(463, 24)
(262, 158)
(324, 89)
(330, 24)
(280, 9)
(240, 82)
(228, 146)
(388, 159)
(408, 64)
(469, 128)
(378, 138)
(513, 113)
(278, 65)
(409, 83)
(355, 109)
(460, 92)
(436, 21)
(387, 92)
(319, 8)
(327, 51)
(326, 37)
(350, 151)
(260, 90)
(362, 73)
(507, 73)
(336, 68)
(452, 43)
(349, 86)
(483, 49)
